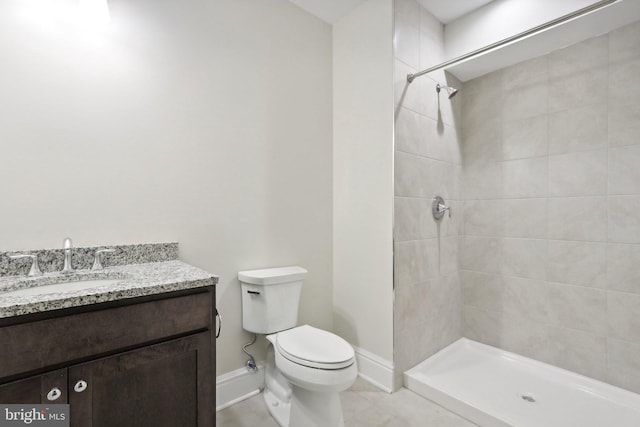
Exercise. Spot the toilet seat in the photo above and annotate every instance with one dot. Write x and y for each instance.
(314, 348)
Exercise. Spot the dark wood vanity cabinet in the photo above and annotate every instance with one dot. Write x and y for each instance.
(139, 362)
(35, 389)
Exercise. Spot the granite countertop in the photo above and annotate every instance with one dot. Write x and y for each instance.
(132, 280)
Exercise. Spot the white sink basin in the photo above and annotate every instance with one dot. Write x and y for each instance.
(60, 287)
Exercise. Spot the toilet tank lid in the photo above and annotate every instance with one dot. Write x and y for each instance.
(272, 276)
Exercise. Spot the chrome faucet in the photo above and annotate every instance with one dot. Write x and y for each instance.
(97, 259)
(67, 245)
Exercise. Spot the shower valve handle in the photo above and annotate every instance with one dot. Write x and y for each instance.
(444, 208)
(438, 208)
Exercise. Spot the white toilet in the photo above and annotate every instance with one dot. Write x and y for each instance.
(306, 367)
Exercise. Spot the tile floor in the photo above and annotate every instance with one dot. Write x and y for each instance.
(363, 405)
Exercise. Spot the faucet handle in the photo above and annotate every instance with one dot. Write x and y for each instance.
(444, 208)
(438, 208)
(97, 260)
(34, 271)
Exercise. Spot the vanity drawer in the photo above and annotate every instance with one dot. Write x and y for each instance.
(39, 344)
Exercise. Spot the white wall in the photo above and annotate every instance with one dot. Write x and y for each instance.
(363, 177)
(207, 123)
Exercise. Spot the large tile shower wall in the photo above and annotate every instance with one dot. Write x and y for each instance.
(551, 187)
(427, 306)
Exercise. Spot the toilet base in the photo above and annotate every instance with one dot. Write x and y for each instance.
(277, 391)
(294, 406)
(305, 409)
(313, 409)
(278, 409)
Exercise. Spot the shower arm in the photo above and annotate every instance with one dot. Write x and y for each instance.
(588, 9)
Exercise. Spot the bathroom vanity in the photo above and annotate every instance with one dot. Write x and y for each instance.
(138, 352)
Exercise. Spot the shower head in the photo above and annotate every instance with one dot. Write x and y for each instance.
(450, 90)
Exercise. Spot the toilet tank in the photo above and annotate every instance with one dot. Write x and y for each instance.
(270, 298)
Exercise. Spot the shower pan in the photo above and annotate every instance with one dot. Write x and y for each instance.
(496, 388)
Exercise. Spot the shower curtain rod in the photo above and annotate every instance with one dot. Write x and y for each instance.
(560, 20)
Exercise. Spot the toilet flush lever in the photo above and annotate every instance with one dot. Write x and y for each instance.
(253, 292)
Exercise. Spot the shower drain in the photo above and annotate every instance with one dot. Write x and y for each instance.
(528, 397)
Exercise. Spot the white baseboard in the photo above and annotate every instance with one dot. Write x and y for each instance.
(375, 369)
(238, 385)
(242, 384)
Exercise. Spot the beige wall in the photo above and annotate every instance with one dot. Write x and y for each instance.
(207, 123)
(427, 309)
(551, 243)
(363, 178)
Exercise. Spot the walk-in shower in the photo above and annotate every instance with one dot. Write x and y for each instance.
(522, 308)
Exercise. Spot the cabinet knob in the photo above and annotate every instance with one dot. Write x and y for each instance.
(80, 386)
(54, 394)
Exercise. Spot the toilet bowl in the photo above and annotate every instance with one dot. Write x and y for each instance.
(316, 366)
(306, 367)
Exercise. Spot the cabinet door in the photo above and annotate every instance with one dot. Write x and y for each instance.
(163, 385)
(41, 389)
